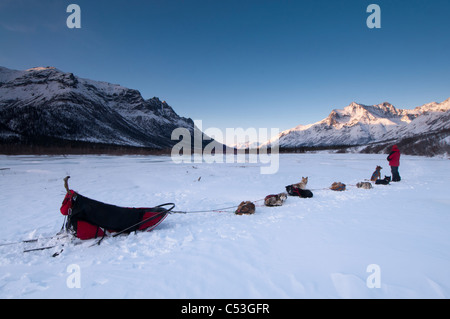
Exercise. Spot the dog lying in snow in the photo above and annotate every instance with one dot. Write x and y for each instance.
(275, 200)
(364, 185)
(338, 186)
(245, 208)
(295, 191)
(377, 174)
(302, 184)
(384, 181)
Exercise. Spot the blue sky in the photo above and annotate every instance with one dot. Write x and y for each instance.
(273, 64)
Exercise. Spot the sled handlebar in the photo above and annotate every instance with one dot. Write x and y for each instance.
(166, 204)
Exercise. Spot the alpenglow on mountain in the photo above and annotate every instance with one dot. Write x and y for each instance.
(359, 124)
(45, 103)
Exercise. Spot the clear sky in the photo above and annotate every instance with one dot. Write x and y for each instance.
(244, 63)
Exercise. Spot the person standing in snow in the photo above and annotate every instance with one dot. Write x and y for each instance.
(394, 163)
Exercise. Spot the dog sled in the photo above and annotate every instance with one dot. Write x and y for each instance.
(89, 219)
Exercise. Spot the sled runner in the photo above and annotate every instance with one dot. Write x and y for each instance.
(89, 218)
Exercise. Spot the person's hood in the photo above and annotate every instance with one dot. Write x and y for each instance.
(395, 148)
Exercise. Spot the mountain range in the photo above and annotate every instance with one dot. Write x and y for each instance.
(44, 103)
(364, 125)
(46, 106)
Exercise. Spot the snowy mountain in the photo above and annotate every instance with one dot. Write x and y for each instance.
(47, 106)
(45, 103)
(359, 124)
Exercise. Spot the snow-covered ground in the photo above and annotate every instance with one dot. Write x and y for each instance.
(334, 245)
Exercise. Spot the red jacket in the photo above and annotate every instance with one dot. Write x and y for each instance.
(394, 156)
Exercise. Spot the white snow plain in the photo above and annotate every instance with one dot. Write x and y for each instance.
(334, 245)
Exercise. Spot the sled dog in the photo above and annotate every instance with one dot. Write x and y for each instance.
(245, 208)
(364, 185)
(376, 174)
(302, 184)
(384, 181)
(275, 200)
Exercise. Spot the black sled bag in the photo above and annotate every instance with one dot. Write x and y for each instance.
(89, 218)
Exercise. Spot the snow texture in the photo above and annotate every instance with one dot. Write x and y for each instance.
(321, 247)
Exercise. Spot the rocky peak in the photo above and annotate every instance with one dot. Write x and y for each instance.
(42, 75)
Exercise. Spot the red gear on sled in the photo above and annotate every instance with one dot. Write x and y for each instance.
(67, 203)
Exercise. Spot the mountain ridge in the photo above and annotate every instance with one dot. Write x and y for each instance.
(359, 124)
(45, 102)
(44, 105)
